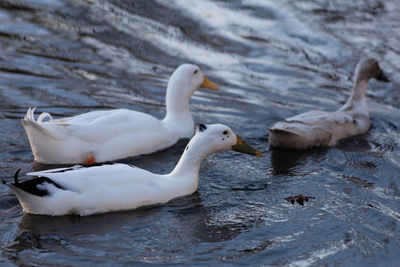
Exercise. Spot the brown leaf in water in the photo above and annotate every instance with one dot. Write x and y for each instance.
(299, 199)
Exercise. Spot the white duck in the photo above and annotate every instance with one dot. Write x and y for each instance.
(100, 136)
(322, 128)
(113, 187)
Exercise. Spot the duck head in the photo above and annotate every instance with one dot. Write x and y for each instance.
(186, 79)
(209, 139)
(181, 86)
(368, 68)
(217, 137)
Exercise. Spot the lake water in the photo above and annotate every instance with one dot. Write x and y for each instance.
(271, 59)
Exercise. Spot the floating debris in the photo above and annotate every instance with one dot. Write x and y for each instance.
(299, 199)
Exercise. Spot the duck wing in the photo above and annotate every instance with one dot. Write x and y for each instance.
(322, 118)
(89, 190)
(80, 179)
(97, 126)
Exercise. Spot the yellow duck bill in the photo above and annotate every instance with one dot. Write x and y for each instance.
(209, 84)
(242, 147)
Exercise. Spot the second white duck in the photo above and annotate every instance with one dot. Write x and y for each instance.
(100, 136)
(322, 128)
(113, 187)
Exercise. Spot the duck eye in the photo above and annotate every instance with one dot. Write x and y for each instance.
(225, 132)
(195, 72)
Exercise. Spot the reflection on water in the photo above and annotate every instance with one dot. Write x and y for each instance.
(291, 162)
(272, 60)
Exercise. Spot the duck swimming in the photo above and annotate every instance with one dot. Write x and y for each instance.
(322, 128)
(106, 135)
(113, 187)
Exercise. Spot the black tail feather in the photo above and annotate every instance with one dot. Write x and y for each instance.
(16, 177)
(31, 186)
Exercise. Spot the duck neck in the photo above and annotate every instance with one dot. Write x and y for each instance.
(359, 90)
(178, 117)
(357, 98)
(189, 163)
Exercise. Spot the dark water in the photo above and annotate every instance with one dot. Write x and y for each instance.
(272, 59)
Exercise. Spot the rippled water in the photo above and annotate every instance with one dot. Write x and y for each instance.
(272, 59)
